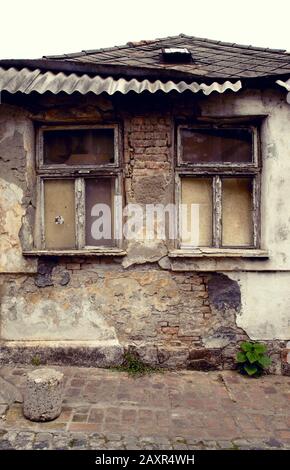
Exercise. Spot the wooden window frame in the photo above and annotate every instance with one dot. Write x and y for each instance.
(218, 171)
(45, 167)
(254, 164)
(79, 173)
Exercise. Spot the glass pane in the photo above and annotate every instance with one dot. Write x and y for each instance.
(79, 146)
(196, 221)
(216, 145)
(99, 212)
(59, 214)
(237, 224)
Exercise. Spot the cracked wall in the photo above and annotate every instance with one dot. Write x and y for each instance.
(175, 312)
(172, 320)
(16, 189)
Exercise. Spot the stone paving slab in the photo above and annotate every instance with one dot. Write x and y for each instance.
(185, 410)
(9, 393)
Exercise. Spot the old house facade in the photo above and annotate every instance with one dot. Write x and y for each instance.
(174, 122)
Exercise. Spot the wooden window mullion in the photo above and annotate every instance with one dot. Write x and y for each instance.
(256, 210)
(80, 212)
(217, 211)
(42, 219)
(117, 208)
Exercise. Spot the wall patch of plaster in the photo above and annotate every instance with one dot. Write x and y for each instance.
(265, 305)
(11, 214)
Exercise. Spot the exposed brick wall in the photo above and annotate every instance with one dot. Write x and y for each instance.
(167, 318)
(147, 153)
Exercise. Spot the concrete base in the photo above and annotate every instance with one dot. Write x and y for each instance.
(76, 353)
(111, 354)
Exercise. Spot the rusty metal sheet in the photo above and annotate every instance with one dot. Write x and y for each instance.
(26, 81)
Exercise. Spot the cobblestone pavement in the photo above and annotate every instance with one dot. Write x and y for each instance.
(106, 409)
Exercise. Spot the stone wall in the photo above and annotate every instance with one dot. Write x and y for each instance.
(172, 320)
(175, 313)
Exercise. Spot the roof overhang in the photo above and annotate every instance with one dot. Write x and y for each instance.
(106, 70)
(26, 81)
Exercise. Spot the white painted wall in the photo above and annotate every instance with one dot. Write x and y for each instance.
(265, 311)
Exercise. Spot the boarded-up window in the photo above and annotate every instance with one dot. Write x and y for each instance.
(59, 214)
(237, 212)
(79, 176)
(216, 145)
(99, 212)
(78, 147)
(219, 170)
(196, 223)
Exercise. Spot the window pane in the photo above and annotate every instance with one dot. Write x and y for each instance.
(237, 225)
(59, 214)
(216, 145)
(196, 191)
(99, 219)
(79, 146)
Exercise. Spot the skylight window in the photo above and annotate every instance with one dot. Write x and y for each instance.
(176, 54)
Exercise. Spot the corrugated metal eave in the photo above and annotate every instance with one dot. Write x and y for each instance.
(26, 81)
(284, 84)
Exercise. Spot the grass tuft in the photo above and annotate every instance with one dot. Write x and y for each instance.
(134, 366)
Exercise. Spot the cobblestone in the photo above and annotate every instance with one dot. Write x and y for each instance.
(173, 410)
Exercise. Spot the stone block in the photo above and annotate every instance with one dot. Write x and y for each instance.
(43, 395)
(9, 393)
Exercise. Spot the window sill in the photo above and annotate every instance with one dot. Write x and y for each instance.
(87, 253)
(219, 253)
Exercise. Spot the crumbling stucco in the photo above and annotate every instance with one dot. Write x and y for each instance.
(11, 215)
(188, 312)
(17, 186)
(144, 252)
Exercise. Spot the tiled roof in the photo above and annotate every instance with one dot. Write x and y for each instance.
(209, 58)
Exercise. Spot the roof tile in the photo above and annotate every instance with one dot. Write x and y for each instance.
(210, 58)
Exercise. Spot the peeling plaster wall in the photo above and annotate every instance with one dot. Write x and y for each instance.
(175, 312)
(275, 145)
(265, 309)
(17, 163)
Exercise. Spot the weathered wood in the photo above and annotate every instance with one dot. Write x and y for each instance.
(218, 253)
(257, 211)
(226, 170)
(218, 170)
(217, 211)
(40, 187)
(178, 203)
(86, 253)
(80, 212)
(78, 173)
(72, 169)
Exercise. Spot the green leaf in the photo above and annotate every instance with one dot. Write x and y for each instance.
(241, 357)
(264, 361)
(260, 348)
(250, 369)
(252, 357)
(246, 346)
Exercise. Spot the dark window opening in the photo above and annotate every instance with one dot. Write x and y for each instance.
(78, 147)
(216, 145)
